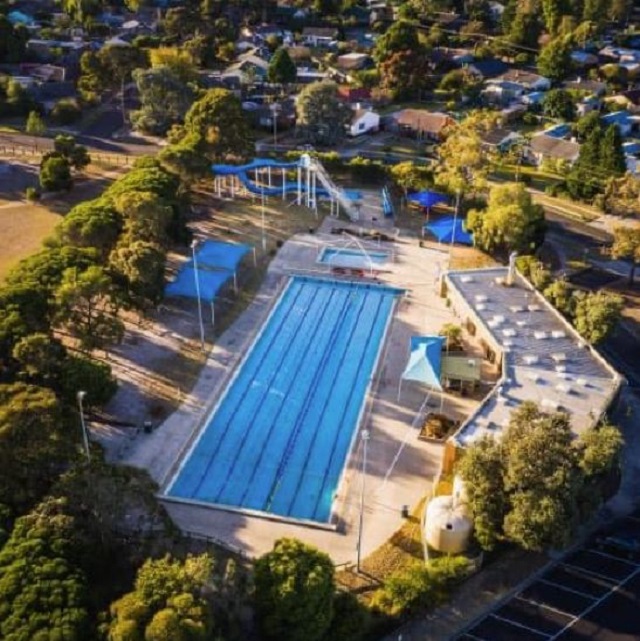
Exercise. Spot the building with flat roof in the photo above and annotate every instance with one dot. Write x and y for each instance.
(542, 357)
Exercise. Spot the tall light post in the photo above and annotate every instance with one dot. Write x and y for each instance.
(85, 437)
(194, 244)
(365, 440)
(264, 229)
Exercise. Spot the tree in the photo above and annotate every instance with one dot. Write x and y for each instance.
(558, 104)
(43, 593)
(67, 147)
(164, 99)
(400, 36)
(611, 157)
(553, 10)
(55, 174)
(596, 314)
(462, 162)
(585, 125)
(85, 307)
(622, 196)
(146, 215)
(66, 111)
(554, 61)
(165, 604)
(559, 294)
(282, 70)
(35, 125)
(140, 266)
(585, 178)
(482, 468)
(39, 356)
(404, 74)
(532, 487)
(36, 440)
(409, 176)
(511, 221)
(626, 246)
(322, 116)
(79, 10)
(13, 41)
(219, 124)
(91, 376)
(294, 588)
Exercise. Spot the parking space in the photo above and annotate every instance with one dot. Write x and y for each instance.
(592, 594)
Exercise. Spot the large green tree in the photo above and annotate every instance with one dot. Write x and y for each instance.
(611, 158)
(282, 70)
(626, 246)
(164, 99)
(322, 116)
(43, 593)
(294, 590)
(554, 61)
(37, 439)
(55, 174)
(218, 123)
(537, 484)
(558, 104)
(596, 314)
(511, 221)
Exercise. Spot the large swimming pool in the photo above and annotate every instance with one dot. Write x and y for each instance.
(278, 439)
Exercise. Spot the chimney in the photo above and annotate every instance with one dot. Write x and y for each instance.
(511, 274)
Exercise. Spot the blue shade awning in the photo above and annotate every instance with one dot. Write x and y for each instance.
(218, 255)
(427, 198)
(185, 285)
(449, 229)
(425, 361)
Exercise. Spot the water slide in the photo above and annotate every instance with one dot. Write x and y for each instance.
(346, 198)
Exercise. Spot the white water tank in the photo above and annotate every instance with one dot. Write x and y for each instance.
(448, 525)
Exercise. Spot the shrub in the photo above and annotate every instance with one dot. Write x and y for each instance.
(66, 111)
(31, 194)
(420, 586)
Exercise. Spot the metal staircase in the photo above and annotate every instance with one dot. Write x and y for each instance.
(352, 208)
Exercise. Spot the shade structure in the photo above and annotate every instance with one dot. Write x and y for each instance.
(449, 229)
(209, 281)
(425, 361)
(427, 198)
(215, 254)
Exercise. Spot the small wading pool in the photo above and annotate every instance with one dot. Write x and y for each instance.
(352, 258)
(278, 439)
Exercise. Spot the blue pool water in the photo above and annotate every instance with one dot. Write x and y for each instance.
(352, 257)
(278, 439)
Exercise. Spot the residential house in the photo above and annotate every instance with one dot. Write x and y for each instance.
(594, 87)
(623, 120)
(486, 69)
(425, 125)
(500, 139)
(502, 92)
(354, 94)
(248, 68)
(584, 59)
(545, 147)
(354, 62)
(628, 100)
(527, 80)
(364, 121)
(588, 104)
(319, 36)
(306, 75)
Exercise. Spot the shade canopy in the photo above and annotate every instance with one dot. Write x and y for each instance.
(425, 361)
(218, 255)
(427, 198)
(210, 283)
(449, 229)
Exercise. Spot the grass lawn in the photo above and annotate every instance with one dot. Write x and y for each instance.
(24, 227)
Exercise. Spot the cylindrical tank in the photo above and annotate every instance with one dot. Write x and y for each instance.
(448, 526)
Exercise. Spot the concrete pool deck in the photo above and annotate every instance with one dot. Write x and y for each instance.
(399, 467)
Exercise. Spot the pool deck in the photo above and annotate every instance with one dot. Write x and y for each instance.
(399, 468)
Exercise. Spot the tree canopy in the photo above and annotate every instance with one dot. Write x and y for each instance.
(322, 116)
(511, 221)
(537, 484)
(294, 590)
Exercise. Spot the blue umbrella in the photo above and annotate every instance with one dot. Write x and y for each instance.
(427, 198)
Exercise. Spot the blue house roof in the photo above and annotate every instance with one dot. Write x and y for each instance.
(557, 131)
(490, 68)
(616, 118)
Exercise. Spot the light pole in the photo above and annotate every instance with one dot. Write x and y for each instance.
(365, 440)
(264, 231)
(85, 437)
(455, 220)
(194, 244)
(274, 115)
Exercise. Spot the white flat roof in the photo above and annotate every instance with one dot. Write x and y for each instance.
(545, 360)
